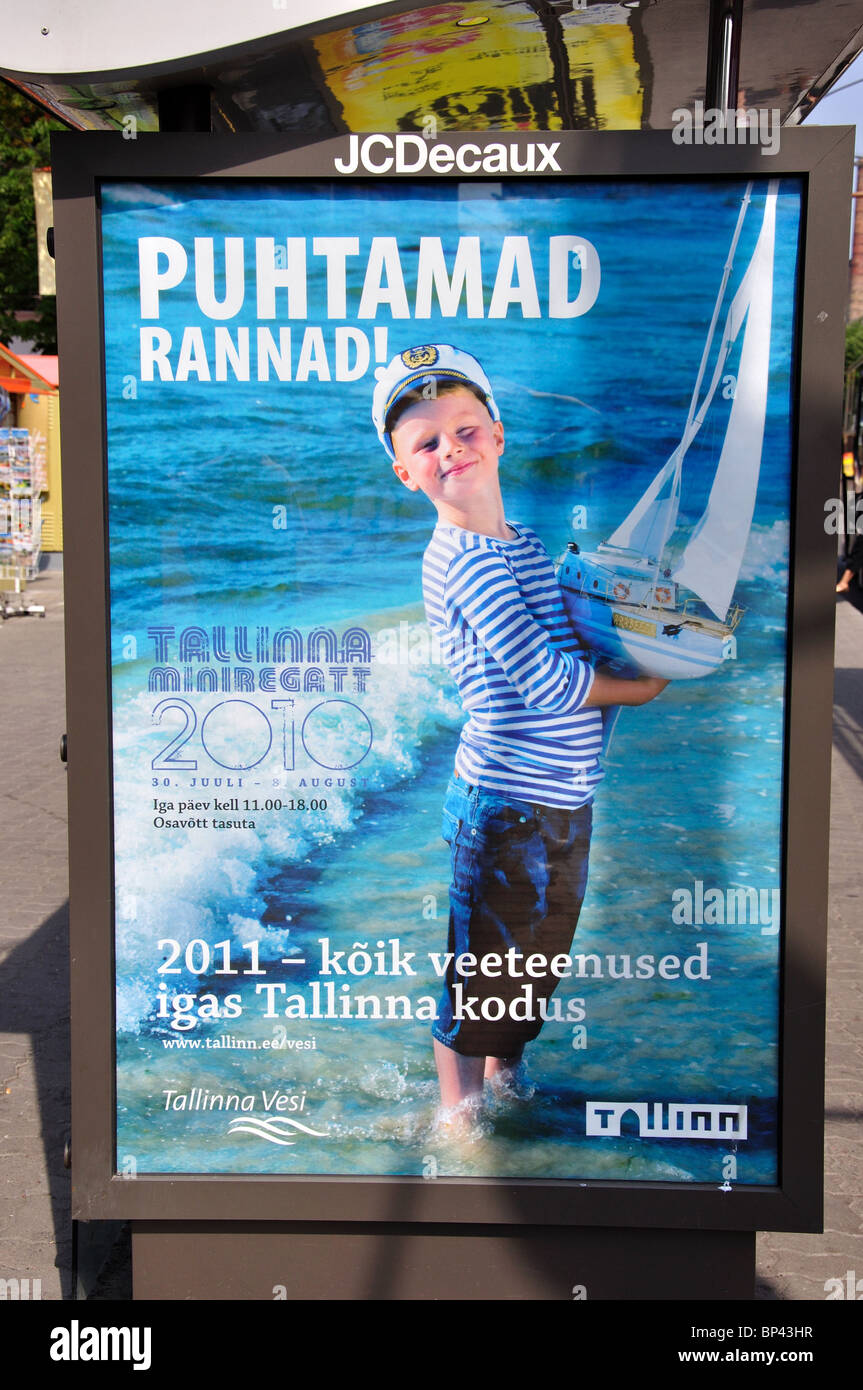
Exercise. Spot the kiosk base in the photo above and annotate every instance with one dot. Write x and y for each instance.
(315, 1260)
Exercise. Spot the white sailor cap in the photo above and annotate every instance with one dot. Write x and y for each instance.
(416, 366)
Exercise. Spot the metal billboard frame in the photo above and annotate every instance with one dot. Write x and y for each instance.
(822, 158)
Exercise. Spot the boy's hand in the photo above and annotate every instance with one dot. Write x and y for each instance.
(652, 684)
(619, 690)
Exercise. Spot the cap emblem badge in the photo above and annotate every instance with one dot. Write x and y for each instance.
(420, 356)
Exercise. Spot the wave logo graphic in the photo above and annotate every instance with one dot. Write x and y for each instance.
(276, 1128)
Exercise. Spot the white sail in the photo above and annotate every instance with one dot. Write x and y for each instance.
(711, 561)
(654, 516)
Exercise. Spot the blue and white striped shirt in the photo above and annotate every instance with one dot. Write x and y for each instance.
(523, 678)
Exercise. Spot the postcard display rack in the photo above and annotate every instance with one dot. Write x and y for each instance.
(23, 480)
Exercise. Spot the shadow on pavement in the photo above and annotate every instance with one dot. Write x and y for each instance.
(34, 1001)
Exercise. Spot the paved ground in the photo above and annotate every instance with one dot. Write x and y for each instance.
(797, 1266)
(35, 1229)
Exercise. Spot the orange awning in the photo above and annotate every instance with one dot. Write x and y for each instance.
(44, 366)
(29, 378)
(22, 385)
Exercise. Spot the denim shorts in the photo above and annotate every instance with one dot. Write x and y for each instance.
(518, 878)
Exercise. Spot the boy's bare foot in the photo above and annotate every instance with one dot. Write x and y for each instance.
(460, 1077)
(509, 1081)
(462, 1123)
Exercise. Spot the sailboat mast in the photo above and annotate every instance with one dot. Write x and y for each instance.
(651, 521)
(726, 275)
(711, 562)
(689, 432)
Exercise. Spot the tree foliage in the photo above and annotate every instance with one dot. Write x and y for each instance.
(24, 146)
(853, 343)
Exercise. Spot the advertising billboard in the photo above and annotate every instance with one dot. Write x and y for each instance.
(449, 552)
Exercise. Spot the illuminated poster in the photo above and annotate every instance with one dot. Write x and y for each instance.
(401, 71)
(286, 720)
(502, 68)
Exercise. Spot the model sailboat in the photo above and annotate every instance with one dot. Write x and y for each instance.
(629, 600)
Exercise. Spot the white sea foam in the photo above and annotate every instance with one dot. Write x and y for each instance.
(202, 883)
(766, 554)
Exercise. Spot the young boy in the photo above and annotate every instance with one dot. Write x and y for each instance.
(517, 814)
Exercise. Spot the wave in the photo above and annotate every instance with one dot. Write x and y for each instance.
(194, 883)
(766, 556)
(277, 1129)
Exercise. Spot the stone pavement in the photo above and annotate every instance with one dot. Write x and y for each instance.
(35, 1227)
(798, 1266)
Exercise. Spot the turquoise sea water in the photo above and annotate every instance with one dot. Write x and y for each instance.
(268, 505)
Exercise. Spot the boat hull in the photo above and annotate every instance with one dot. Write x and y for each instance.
(651, 643)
